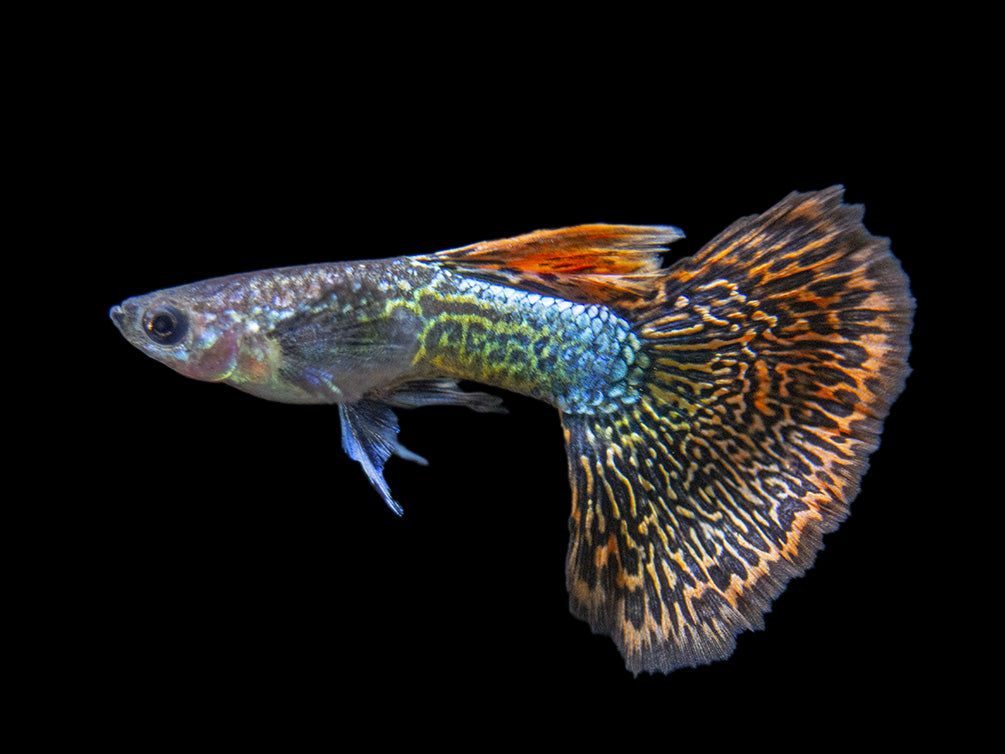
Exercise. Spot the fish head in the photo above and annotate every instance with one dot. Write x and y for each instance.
(183, 332)
(276, 333)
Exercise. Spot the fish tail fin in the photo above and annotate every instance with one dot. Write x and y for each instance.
(770, 360)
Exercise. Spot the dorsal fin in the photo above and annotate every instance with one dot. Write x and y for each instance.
(590, 263)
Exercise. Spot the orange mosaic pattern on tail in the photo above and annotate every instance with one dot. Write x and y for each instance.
(774, 355)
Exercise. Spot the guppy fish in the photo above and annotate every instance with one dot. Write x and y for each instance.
(718, 414)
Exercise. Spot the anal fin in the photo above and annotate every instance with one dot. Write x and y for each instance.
(443, 391)
(370, 427)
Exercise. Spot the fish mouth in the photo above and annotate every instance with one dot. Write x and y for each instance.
(118, 315)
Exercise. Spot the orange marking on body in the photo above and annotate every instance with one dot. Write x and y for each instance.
(253, 368)
(603, 553)
(763, 387)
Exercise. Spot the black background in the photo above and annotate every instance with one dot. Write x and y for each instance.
(222, 555)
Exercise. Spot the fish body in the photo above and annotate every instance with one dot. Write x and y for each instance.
(333, 333)
(718, 413)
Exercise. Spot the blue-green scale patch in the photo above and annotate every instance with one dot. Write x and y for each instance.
(584, 358)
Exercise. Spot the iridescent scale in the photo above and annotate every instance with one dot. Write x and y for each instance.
(582, 358)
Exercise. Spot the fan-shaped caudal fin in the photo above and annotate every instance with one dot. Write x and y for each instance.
(774, 355)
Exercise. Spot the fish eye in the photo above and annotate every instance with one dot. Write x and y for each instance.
(165, 325)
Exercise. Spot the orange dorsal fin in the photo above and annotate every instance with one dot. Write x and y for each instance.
(603, 263)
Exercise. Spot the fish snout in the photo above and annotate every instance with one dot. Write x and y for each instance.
(118, 315)
(124, 317)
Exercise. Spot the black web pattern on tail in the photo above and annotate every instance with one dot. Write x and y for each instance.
(775, 354)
